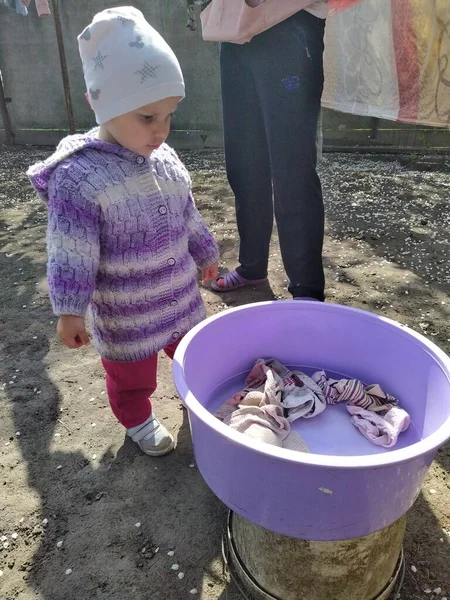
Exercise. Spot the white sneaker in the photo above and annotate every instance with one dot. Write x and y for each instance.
(152, 437)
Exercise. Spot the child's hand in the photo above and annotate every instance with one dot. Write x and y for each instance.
(210, 273)
(72, 331)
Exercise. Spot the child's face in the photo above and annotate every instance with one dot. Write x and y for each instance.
(143, 130)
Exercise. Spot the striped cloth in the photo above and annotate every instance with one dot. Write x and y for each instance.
(352, 391)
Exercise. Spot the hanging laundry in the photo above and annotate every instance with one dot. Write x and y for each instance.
(390, 59)
(42, 7)
(381, 431)
(21, 7)
(257, 410)
(16, 5)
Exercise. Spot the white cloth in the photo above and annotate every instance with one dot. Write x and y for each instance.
(390, 60)
(259, 413)
(305, 400)
(126, 63)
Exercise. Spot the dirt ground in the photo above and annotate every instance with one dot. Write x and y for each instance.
(74, 489)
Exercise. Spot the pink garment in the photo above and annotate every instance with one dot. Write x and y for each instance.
(381, 431)
(254, 382)
(42, 7)
(238, 22)
(318, 8)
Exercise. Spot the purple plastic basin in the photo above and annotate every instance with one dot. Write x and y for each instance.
(346, 487)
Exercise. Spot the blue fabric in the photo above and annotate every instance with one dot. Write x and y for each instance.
(17, 6)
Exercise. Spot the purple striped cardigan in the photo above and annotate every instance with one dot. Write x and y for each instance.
(124, 240)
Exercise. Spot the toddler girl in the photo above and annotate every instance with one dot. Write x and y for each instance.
(124, 236)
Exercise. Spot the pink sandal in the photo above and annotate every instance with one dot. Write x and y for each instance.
(233, 281)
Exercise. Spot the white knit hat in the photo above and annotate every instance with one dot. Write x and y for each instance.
(126, 63)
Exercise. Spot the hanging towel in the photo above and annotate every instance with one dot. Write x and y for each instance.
(43, 8)
(319, 8)
(390, 59)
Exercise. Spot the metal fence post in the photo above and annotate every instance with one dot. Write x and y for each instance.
(374, 128)
(63, 61)
(5, 115)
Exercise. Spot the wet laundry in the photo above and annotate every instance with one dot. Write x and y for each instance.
(275, 396)
(381, 431)
(258, 411)
(352, 391)
(301, 396)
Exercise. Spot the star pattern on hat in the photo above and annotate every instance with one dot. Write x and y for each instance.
(99, 60)
(147, 71)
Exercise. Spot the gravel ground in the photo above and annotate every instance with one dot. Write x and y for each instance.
(83, 514)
